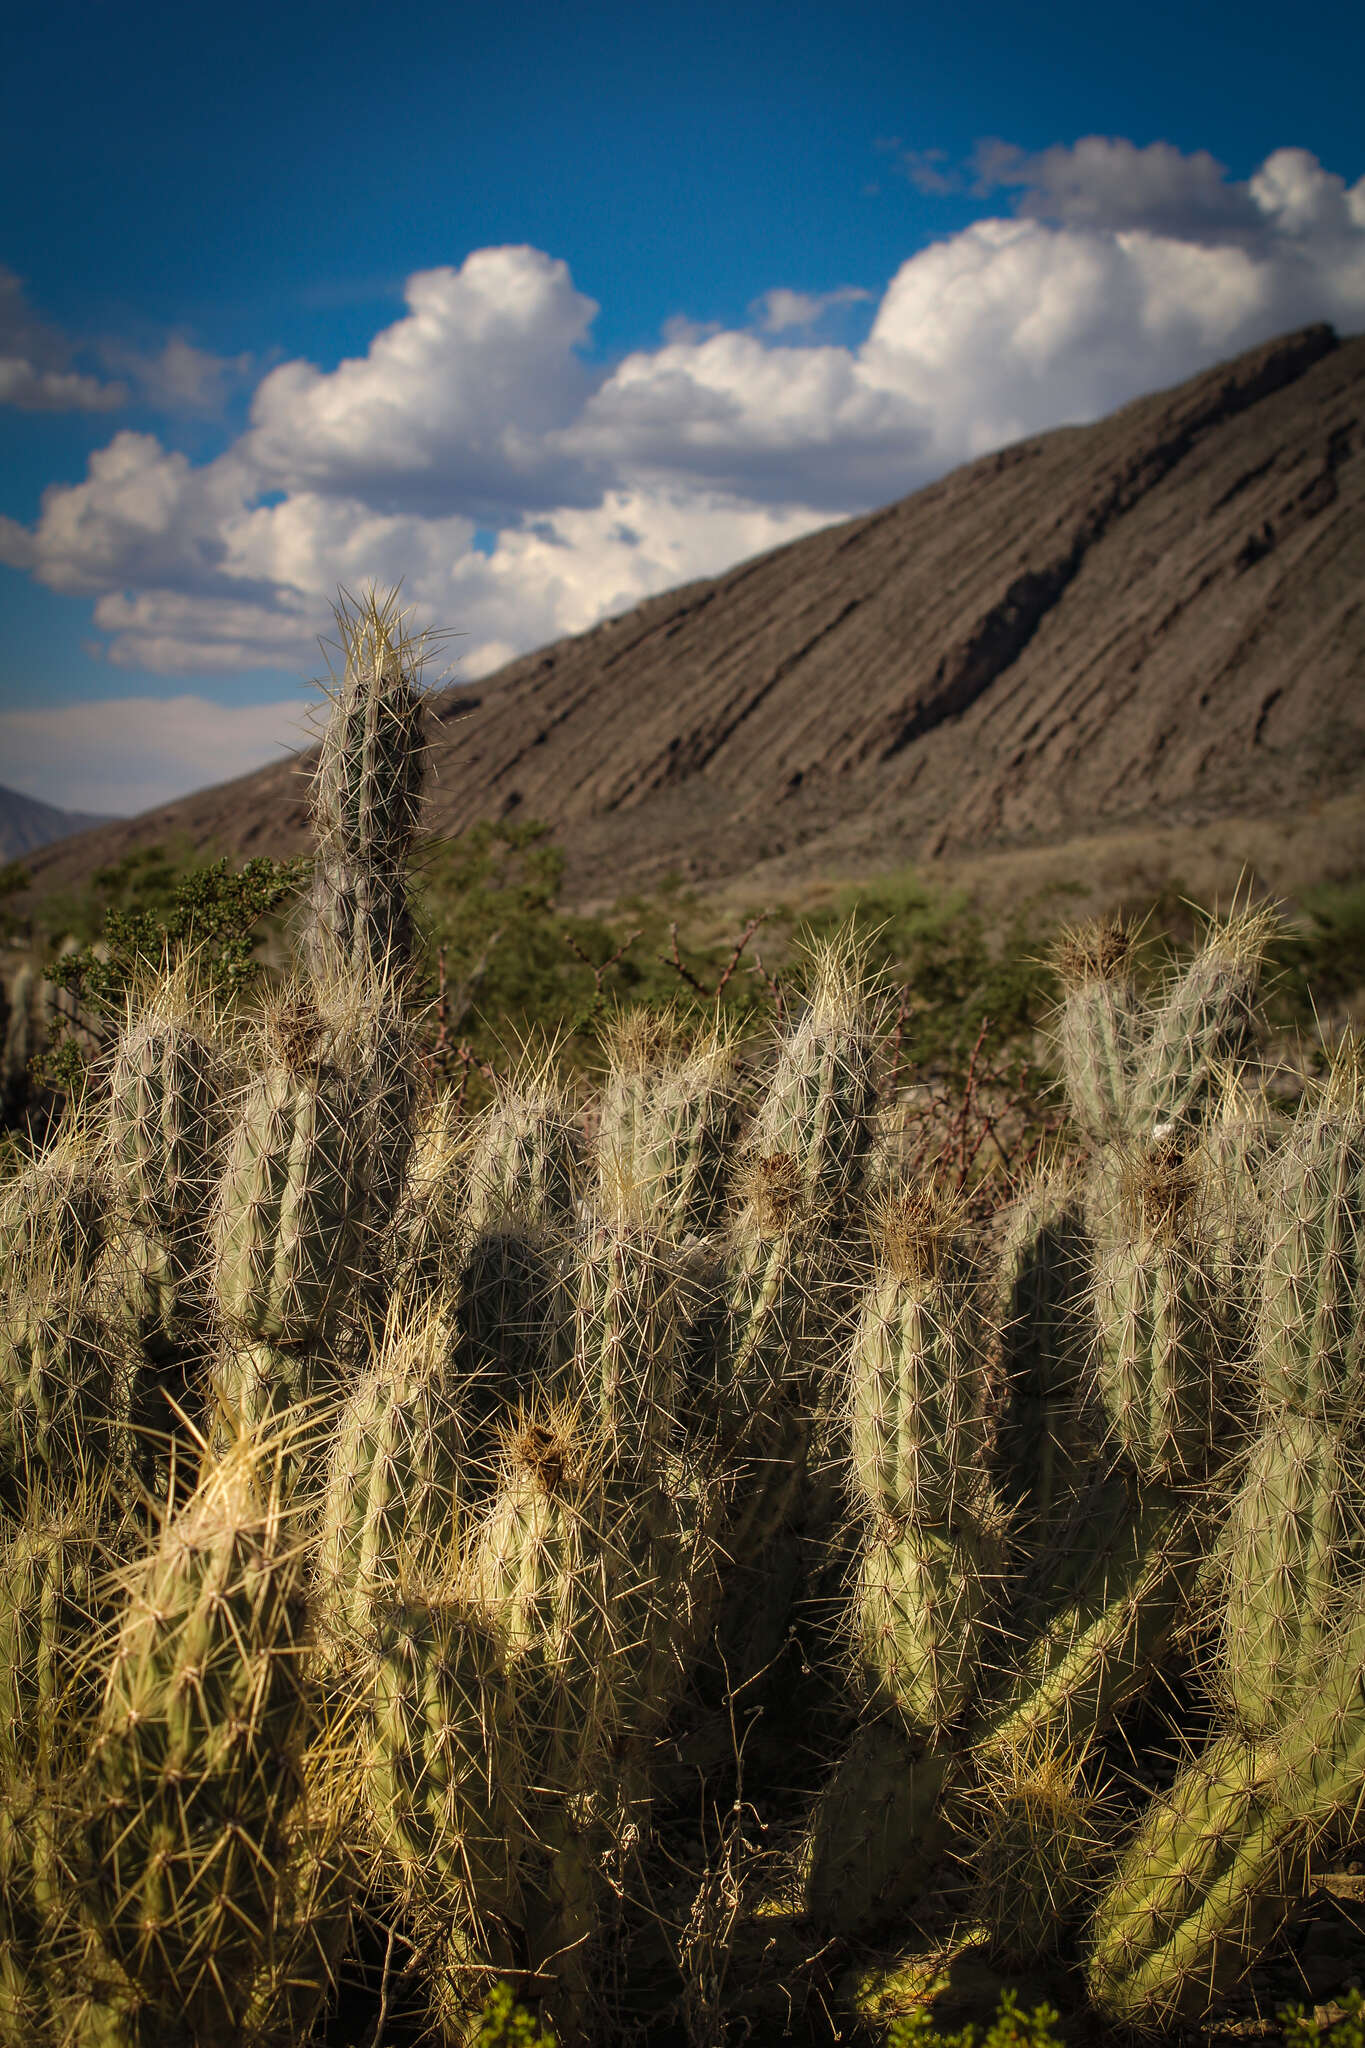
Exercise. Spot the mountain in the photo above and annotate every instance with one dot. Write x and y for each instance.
(26, 824)
(1159, 618)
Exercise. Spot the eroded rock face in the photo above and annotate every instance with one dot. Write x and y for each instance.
(1159, 616)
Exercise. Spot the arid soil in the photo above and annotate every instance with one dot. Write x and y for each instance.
(1158, 620)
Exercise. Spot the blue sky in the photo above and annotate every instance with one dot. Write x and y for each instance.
(546, 309)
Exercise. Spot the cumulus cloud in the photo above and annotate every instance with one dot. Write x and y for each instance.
(1107, 182)
(35, 362)
(454, 407)
(1116, 271)
(786, 426)
(122, 755)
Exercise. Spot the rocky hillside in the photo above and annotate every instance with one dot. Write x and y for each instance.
(25, 823)
(1157, 618)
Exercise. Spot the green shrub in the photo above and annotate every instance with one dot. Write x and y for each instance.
(504, 2023)
(1303, 2030)
(1011, 2028)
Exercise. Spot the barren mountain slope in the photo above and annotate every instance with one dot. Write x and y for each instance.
(26, 823)
(1159, 617)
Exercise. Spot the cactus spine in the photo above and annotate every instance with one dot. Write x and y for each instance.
(161, 1138)
(367, 794)
(196, 1755)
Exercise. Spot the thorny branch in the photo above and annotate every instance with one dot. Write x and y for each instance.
(674, 959)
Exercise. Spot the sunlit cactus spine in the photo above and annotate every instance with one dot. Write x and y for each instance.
(66, 1391)
(1202, 1026)
(397, 1475)
(55, 1594)
(161, 1128)
(918, 1394)
(289, 1217)
(1161, 1324)
(918, 1428)
(668, 1119)
(443, 1771)
(54, 1213)
(1098, 1024)
(367, 793)
(194, 1761)
(819, 1106)
(1163, 1935)
(1221, 1862)
(1311, 1347)
(1295, 1533)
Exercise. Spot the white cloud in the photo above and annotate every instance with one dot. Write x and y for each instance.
(1107, 182)
(1120, 270)
(121, 755)
(785, 426)
(454, 406)
(35, 372)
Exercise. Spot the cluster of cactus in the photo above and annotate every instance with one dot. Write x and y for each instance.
(383, 1489)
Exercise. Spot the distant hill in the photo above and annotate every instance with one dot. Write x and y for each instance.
(26, 824)
(1157, 619)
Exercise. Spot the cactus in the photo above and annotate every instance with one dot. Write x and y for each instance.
(922, 1599)
(668, 1118)
(1161, 1324)
(876, 1830)
(20, 1042)
(1117, 1591)
(160, 1138)
(54, 1594)
(1295, 1532)
(360, 1672)
(1044, 1315)
(1221, 1863)
(66, 1392)
(916, 1373)
(290, 1208)
(54, 1214)
(1036, 1840)
(367, 793)
(523, 1181)
(1098, 1024)
(918, 1435)
(1202, 1027)
(443, 1782)
(819, 1106)
(428, 1234)
(396, 1475)
(194, 1763)
(1312, 1326)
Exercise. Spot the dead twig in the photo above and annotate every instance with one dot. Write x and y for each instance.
(675, 960)
(596, 971)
